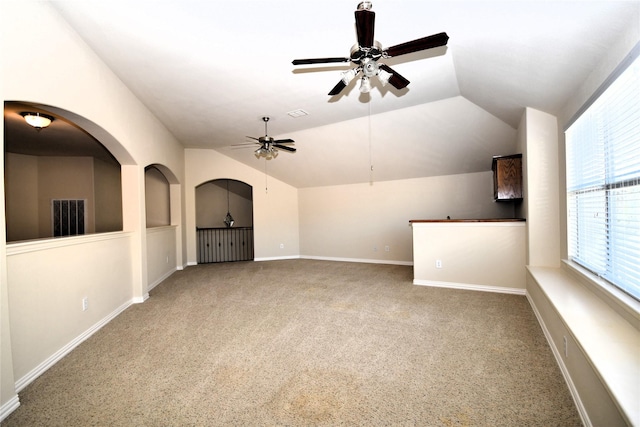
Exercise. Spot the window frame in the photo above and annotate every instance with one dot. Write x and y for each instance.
(602, 286)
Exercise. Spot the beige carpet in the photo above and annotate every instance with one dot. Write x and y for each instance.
(304, 342)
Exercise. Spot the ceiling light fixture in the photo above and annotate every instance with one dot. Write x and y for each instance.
(365, 85)
(348, 75)
(267, 151)
(37, 120)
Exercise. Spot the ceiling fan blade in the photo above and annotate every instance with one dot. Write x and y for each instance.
(396, 80)
(251, 137)
(318, 61)
(365, 24)
(284, 141)
(435, 40)
(284, 147)
(338, 88)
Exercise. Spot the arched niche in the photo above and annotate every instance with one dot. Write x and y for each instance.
(217, 240)
(217, 197)
(158, 195)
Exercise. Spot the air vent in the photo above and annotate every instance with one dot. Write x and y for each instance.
(297, 113)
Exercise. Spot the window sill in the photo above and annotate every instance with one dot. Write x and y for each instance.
(605, 330)
(622, 303)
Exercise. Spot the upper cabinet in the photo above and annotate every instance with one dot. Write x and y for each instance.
(507, 178)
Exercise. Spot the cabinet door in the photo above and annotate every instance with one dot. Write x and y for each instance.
(507, 178)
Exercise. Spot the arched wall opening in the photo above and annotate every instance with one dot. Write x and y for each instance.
(163, 213)
(217, 240)
(60, 180)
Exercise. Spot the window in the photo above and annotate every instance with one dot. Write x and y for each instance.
(603, 183)
(68, 217)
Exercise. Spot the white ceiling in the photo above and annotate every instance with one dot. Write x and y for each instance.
(211, 69)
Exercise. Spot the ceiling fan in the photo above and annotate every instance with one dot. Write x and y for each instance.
(269, 146)
(366, 53)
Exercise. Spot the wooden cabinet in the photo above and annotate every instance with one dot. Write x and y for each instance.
(507, 178)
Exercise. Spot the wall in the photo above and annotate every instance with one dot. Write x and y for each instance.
(542, 192)
(107, 190)
(561, 303)
(357, 222)
(32, 182)
(48, 280)
(21, 196)
(487, 256)
(211, 204)
(42, 286)
(275, 209)
(64, 178)
(161, 254)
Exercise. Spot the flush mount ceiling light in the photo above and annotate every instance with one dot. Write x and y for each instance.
(37, 120)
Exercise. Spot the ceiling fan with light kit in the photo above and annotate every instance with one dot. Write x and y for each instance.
(268, 146)
(367, 52)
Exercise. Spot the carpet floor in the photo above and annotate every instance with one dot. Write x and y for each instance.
(307, 343)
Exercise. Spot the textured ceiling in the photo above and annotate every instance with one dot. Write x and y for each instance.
(210, 70)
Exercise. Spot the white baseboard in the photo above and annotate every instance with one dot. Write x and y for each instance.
(54, 358)
(470, 287)
(320, 258)
(361, 260)
(277, 258)
(563, 368)
(140, 300)
(10, 406)
(161, 279)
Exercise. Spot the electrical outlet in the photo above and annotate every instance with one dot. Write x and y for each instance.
(438, 263)
(375, 249)
(281, 245)
(386, 248)
(85, 303)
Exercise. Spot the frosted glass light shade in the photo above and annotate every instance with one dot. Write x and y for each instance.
(37, 120)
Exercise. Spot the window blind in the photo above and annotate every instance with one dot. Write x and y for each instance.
(603, 184)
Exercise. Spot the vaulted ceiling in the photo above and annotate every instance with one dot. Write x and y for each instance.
(209, 70)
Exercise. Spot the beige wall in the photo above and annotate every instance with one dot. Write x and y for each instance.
(64, 178)
(48, 280)
(542, 189)
(108, 196)
(482, 256)
(43, 285)
(358, 221)
(161, 254)
(275, 205)
(211, 204)
(21, 197)
(33, 182)
(545, 186)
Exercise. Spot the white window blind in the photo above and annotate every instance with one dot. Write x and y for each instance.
(603, 184)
